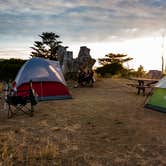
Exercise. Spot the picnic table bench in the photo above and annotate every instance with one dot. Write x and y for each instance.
(141, 85)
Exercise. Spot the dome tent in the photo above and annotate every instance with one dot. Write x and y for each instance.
(157, 100)
(46, 75)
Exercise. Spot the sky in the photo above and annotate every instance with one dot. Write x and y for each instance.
(133, 27)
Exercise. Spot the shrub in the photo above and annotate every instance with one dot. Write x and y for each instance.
(9, 68)
(112, 69)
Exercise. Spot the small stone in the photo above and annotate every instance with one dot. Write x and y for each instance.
(55, 128)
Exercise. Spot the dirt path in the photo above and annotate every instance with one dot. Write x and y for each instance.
(103, 125)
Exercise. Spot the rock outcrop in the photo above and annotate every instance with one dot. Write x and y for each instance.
(84, 61)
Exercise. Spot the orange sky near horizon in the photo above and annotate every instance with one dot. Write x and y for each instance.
(145, 51)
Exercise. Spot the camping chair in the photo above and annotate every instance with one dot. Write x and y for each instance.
(23, 100)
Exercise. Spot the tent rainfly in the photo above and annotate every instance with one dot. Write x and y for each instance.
(47, 79)
(157, 100)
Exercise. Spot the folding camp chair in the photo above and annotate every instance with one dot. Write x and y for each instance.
(23, 100)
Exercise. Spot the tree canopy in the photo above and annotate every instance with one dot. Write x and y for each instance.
(112, 64)
(9, 68)
(114, 58)
(140, 71)
(47, 47)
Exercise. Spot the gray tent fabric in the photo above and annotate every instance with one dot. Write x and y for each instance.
(40, 69)
(161, 83)
(47, 77)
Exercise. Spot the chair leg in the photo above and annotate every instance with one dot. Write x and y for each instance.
(12, 110)
(9, 112)
(32, 110)
(27, 110)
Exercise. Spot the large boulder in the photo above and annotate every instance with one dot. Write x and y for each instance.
(61, 53)
(70, 65)
(68, 62)
(85, 61)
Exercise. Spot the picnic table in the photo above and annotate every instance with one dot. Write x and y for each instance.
(143, 84)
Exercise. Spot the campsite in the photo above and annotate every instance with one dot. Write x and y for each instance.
(83, 83)
(103, 125)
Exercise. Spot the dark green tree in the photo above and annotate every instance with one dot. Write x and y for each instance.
(9, 68)
(114, 58)
(47, 48)
(112, 64)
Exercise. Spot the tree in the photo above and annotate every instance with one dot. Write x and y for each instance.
(114, 58)
(47, 48)
(112, 64)
(9, 68)
(140, 71)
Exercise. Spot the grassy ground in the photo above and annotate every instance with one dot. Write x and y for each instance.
(102, 126)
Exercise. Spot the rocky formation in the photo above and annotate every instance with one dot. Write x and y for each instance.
(68, 62)
(85, 61)
(61, 52)
(70, 65)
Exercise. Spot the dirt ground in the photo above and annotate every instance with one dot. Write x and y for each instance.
(106, 125)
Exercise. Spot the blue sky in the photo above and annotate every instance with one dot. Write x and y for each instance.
(95, 23)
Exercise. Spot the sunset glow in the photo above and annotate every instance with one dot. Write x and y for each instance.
(132, 27)
(145, 51)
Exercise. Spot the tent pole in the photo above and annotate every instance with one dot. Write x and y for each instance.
(41, 87)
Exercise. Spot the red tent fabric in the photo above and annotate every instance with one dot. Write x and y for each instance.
(47, 79)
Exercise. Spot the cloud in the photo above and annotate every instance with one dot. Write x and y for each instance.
(15, 53)
(81, 20)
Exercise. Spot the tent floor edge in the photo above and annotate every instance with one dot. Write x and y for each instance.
(155, 108)
(47, 98)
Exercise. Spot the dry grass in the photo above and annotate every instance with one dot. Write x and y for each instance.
(26, 149)
(103, 125)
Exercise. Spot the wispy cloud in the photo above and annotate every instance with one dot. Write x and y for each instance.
(14, 52)
(79, 20)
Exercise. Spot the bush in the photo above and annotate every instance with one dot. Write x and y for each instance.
(112, 69)
(9, 68)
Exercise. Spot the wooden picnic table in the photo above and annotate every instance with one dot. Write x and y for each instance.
(144, 83)
(144, 79)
